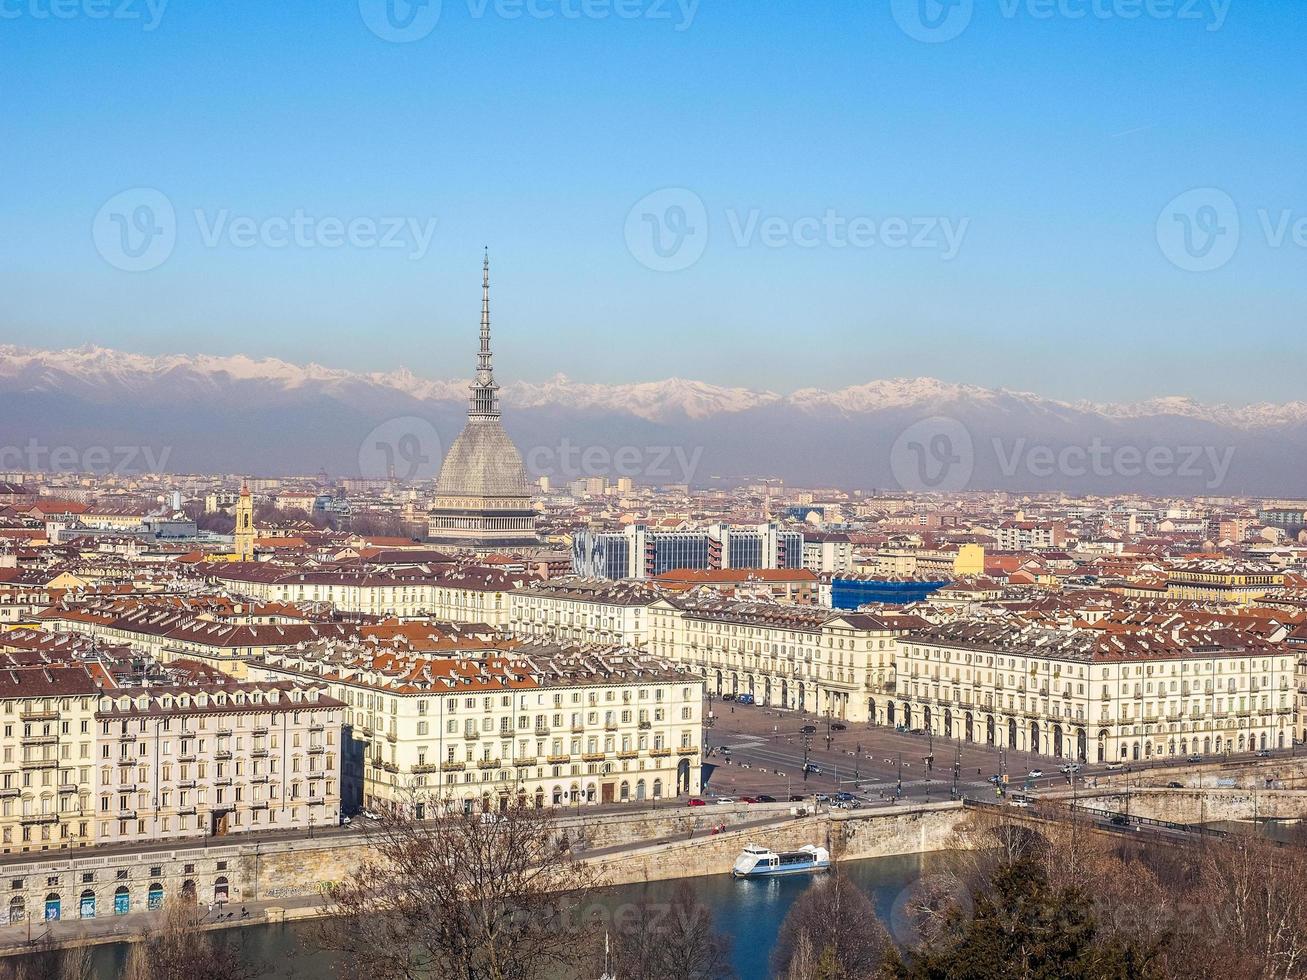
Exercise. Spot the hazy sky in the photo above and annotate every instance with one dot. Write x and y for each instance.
(999, 203)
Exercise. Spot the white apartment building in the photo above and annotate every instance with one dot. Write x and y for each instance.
(215, 759)
(581, 610)
(1025, 535)
(797, 657)
(548, 726)
(47, 756)
(466, 595)
(827, 552)
(1093, 695)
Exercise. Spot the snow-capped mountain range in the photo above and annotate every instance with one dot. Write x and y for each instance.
(90, 368)
(238, 413)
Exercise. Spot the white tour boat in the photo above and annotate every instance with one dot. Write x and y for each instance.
(761, 862)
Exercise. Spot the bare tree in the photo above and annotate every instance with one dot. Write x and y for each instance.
(832, 933)
(175, 947)
(482, 896)
(670, 941)
(1254, 894)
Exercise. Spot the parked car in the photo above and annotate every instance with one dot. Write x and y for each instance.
(796, 798)
(695, 801)
(1115, 766)
(728, 697)
(808, 729)
(843, 796)
(1020, 801)
(744, 699)
(724, 799)
(838, 726)
(821, 798)
(1119, 820)
(1174, 785)
(1262, 754)
(766, 799)
(1199, 758)
(748, 799)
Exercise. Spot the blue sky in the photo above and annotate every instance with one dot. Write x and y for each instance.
(1008, 186)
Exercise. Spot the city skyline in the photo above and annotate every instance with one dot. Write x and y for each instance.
(679, 214)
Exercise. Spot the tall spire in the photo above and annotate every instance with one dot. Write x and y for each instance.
(485, 400)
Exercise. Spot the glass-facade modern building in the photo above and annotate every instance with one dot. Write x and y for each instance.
(638, 552)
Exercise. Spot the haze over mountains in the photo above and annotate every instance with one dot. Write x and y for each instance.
(238, 414)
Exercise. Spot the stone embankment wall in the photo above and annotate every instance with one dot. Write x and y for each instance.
(848, 835)
(680, 844)
(1195, 806)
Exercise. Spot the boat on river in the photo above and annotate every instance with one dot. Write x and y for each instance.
(762, 862)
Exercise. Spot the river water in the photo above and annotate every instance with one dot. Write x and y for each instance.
(751, 912)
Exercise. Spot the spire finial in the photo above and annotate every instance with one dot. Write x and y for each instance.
(484, 399)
